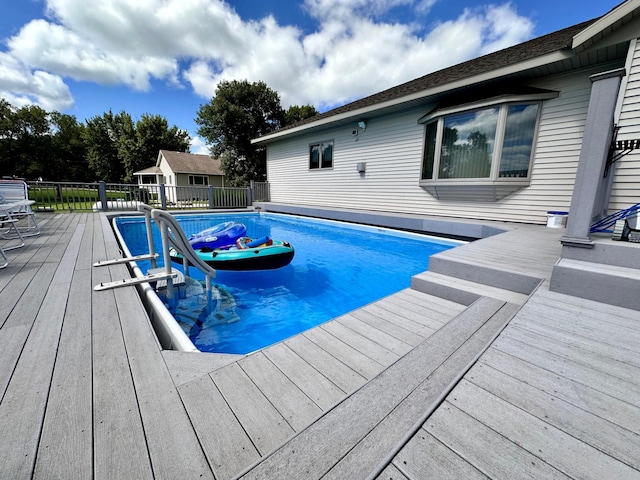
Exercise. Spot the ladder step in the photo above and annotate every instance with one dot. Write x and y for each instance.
(125, 282)
(117, 261)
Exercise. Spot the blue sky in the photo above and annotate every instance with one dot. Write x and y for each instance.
(84, 57)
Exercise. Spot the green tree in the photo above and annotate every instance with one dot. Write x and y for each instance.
(152, 134)
(7, 138)
(117, 147)
(32, 142)
(68, 150)
(102, 149)
(239, 112)
(297, 113)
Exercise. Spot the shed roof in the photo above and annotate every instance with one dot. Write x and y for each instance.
(181, 162)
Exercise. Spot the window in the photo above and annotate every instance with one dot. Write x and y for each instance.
(321, 155)
(198, 180)
(491, 144)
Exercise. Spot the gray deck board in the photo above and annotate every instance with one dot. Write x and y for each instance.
(68, 427)
(378, 353)
(340, 374)
(577, 422)
(316, 386)
(119, 440)
(482, 447)
(314, 451)
(358, 361)
(421, 327)
(425, 457)
(86, 391)
(429, 302)
(172, 444)
(598, 360)
(24, 400)
(388, 324)
(291, 402)
(575, 371)
(226, 444)
(431, 318)
(252, 408)
(551, 444)
(582, 396)
(382, 439)
(380, 337)
(617, 347)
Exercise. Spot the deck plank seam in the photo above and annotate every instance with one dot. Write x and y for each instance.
(564, 367)
(631, 437)
(509, 311)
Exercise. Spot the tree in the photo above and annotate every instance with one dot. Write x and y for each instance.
(239, 112)
(32, 141)
(102, 149)
(117, 147)
(296, 113)
(7, 138)
(68, 150)
(152, 134)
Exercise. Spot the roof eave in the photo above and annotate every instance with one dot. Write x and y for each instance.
(604, 22)
(557, 56)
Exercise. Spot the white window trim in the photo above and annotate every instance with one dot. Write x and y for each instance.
(320, 167)
(493, 187)
(191, 178)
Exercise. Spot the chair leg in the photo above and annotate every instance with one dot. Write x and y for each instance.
(11, 222)
(4, 257)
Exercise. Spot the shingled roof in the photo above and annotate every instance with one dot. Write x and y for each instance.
(553, 42)
(181, 162)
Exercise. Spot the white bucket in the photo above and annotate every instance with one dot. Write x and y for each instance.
(557, 219)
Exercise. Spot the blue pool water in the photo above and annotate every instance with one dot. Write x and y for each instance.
(337, 268)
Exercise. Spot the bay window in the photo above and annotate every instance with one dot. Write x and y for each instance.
(489, 143)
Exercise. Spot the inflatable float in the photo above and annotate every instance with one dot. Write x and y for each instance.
(245, 254)
(220, 235)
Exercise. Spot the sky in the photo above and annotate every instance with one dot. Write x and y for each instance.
(166, 57)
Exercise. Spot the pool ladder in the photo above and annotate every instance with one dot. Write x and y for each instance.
(168, 277)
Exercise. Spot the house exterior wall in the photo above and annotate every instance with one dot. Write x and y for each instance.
(392, 149)
(625, 191)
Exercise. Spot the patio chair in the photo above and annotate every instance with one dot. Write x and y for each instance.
(9, 230)
(14, 198)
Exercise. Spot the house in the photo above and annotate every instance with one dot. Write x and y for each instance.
(499, 137)
(179, 169)
(549, 125)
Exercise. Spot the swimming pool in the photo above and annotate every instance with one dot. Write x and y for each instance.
(337, 267)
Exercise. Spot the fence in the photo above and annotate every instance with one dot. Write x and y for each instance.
(72, 196)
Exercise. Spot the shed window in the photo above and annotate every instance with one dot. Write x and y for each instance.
(487, 144)
(198, 180)
(321, 155)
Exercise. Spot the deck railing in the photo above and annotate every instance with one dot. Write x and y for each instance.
(101, 196)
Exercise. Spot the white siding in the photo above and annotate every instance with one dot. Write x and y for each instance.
(626, 183)
(392, 149)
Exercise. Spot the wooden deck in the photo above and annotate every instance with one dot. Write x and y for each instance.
(403, 388)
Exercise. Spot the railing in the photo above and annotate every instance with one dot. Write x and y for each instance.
(70, 196)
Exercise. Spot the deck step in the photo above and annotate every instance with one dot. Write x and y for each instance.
(610, 284)
(487, 275)
(461, 291)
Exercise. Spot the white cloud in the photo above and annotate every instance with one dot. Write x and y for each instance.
(198, 146)
(21, 86)
(352, 53)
